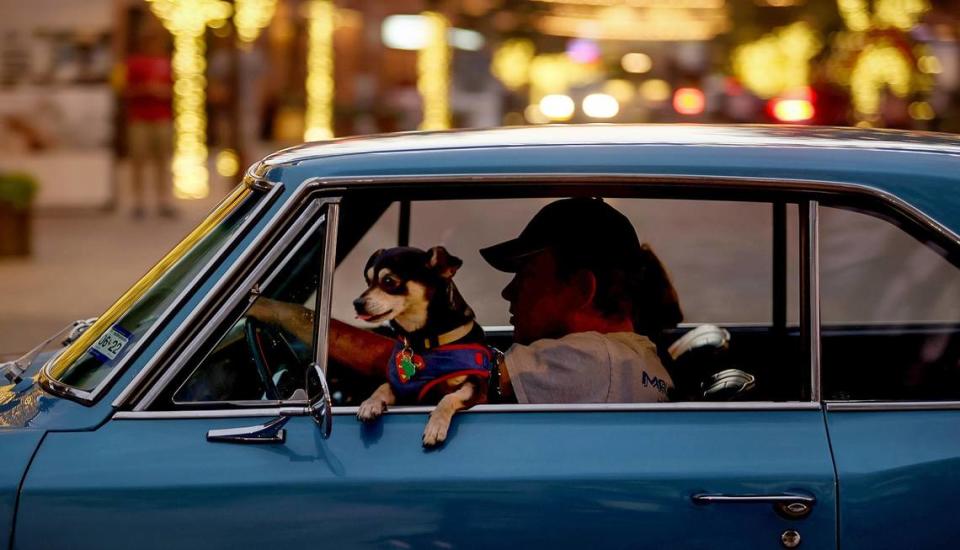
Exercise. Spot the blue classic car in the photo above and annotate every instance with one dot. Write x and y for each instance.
(816, 373)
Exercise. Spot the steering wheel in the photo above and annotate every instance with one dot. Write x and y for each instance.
(277, 362)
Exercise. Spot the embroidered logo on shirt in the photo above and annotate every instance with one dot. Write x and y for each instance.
(654, 381)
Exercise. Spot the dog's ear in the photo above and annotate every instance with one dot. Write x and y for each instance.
(367, 274)
(443, 263)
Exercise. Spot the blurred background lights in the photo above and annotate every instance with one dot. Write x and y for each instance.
(622, 90)
(319, 82)
(792, 110)
(921, 110)
(778, 61)
(251, 16)
(600, 106)
(655, 90)
(465, 39)
(886, 14)
(187, 21)
(534, 115)
(877, 69)
(688, 101)
(404, 32)
(511, 62)
(637, 63)
(228, 163)
(929, 64)
(411, 32)
(557, 107)
(433, 73)
(582, 50)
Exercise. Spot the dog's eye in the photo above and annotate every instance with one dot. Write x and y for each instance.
(390, 283)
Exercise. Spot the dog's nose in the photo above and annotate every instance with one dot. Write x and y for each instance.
(359, 304)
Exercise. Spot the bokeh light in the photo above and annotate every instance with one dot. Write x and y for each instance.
(636, 62)
(557, 107)
(600, 106)
(689, 101)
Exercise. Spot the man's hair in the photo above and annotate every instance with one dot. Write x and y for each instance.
(634, 286)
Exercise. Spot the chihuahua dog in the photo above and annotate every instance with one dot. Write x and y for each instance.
(440, 357)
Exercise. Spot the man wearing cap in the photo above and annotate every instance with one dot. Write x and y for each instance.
(585, 300)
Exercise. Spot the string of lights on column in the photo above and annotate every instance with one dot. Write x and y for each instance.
(433, 73)
(187, 21)
(319, 115)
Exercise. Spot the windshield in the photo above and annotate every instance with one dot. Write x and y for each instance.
(88, 361)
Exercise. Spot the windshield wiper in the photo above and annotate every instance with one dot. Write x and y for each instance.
(13, 370)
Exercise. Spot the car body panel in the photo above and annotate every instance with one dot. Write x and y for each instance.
(899, 477)
(558, 479)
(18, 447)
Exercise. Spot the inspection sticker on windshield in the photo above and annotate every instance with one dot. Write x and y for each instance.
(111, 344)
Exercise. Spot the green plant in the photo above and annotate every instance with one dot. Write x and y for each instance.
(17, 189)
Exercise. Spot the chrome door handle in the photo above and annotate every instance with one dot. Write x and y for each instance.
(789, 505)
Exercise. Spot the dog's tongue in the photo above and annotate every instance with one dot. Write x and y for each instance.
(364, 316)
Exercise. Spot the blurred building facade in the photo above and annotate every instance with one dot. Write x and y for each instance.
(881, 63)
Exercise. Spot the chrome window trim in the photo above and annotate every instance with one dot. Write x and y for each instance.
(337, 184)
(89, 397)
(620, 178)
(325, 299)
(303, 221)
(812, 253)
(486, 409)
(841, 406)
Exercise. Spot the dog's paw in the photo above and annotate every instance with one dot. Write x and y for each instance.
(371, 409)
(436, 431)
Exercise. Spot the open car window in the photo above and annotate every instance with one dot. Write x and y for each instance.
(719, 255)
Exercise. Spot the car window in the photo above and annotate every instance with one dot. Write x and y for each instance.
(263, 352)
(890, 312)
(90, 359)
(718, 254)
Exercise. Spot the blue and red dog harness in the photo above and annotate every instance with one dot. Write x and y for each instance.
(412, 375)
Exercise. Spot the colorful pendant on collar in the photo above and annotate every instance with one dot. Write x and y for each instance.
(408, 364)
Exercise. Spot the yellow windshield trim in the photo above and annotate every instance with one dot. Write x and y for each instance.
(131, 296)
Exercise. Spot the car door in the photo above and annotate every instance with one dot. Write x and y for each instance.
(891, 363)
(671, 475)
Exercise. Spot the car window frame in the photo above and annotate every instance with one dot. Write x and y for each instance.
(933, 236)
(314, 213)
(131, 404)
(297, 242)
(49, 380)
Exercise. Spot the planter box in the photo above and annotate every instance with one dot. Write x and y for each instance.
(14, 231)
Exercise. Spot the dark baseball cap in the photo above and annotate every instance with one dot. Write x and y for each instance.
(586, 227)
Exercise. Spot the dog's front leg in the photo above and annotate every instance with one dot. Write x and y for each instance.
(436, 431)
(376, 404)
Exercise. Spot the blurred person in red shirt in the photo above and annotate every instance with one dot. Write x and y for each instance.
(148, 96)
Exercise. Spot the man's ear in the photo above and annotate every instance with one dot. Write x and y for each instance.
(585, 283)
(367, 274)
(442, 262)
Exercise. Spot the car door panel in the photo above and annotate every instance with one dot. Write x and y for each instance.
(617, 479)
(899, 473)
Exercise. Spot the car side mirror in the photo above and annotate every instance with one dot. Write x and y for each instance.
(321, 408)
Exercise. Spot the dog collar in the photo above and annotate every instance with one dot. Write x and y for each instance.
(446, 337)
